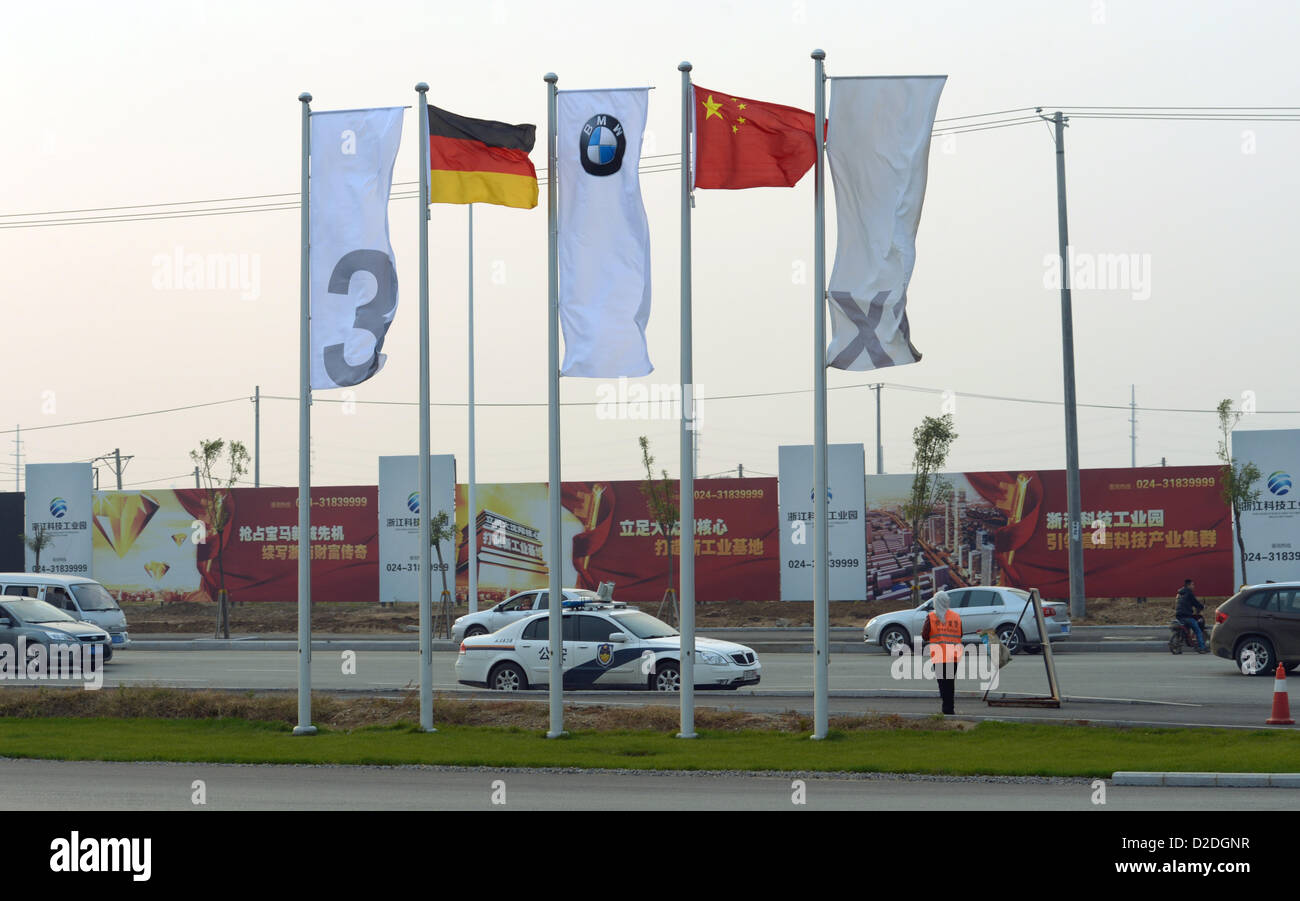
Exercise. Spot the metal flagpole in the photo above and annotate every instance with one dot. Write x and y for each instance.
(821, 573)
(304, 726)
(686, 501)
(880, 445)
(471, 527)
(257, 436)
(556, 596)
(426, 478)
(1077, 601)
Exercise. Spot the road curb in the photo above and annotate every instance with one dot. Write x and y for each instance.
(253, 643)
(1208, 780)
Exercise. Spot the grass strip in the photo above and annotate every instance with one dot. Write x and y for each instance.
(989, 748)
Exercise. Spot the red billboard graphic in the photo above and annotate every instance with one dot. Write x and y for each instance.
(611, 536)
(261, 556)
(1144, 532)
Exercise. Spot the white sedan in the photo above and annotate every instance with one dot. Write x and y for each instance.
(605, 646)
(511, 610)
(980, 607)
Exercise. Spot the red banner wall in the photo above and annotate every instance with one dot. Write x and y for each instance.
(1161, 525)
(737, 557)
(261, 556)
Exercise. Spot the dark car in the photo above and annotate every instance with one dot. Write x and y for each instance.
(37, 622)
(1258, 626)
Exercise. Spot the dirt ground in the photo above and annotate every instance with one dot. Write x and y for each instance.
(351, 713)
(253, 619)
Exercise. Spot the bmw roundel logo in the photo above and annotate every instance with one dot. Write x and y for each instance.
(1279, 482)
(59, 508)
(601, 145)
(413, 502)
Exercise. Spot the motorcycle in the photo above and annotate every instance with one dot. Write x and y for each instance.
(1180, 635)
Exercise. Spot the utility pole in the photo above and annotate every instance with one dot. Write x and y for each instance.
(257, 436)
(116, 461)
(1133, 425)
(196, 478)
(740, 468)
(1078, 605)
(18, 455)
(880, 447)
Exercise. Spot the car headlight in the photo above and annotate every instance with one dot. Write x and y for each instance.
(871, 622)
(710, 658)
(58, 636)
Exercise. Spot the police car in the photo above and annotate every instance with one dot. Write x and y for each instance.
(606, 645)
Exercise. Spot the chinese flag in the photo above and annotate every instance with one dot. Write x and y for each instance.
(742, 143)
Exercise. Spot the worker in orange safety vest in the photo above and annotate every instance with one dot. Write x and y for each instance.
(943, 631)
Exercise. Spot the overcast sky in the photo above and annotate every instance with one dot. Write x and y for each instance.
(150, 103)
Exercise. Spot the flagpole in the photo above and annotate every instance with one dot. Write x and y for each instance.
(556, 598)
(426, 479)
(821, 572)
(471, 527)
(304, 726)
(686, 501)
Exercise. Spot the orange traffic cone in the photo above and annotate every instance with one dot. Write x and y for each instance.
(1281, 703)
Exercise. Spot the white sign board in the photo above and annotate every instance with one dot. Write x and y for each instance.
(400, 507)
(846, 522)
(1271, 527)
(58, 501)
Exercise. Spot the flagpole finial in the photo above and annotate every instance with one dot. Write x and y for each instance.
(550, 78)
(819, 54)
(305, 97)
(422, 87)
(684, 66)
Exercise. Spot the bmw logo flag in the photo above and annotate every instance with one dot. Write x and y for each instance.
(604, 237)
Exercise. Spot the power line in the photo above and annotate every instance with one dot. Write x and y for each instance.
(61, 425)
(160, 211)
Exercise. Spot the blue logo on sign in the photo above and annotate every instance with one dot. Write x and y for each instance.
(1279, 482)
(59, 508)
(413, 502)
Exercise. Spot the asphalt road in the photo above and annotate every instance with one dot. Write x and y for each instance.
(1131, 687)
(79, 786)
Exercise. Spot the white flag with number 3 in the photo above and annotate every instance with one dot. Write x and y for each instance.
(353, 271)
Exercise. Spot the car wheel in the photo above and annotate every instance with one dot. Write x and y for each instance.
(666, 677)
(1011, 636)
(475, 630)
(1255, 656)
(1176, 643)
(893, 637)
(507, 677)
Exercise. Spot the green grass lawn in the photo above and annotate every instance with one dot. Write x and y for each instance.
(989, 748)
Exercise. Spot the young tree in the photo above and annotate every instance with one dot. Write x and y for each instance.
(1237, 478)
(215, 500)
(441, 529)
(661, 500)
(37, 543)
(931, 441)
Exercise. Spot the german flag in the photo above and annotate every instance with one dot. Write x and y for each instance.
(480, 161)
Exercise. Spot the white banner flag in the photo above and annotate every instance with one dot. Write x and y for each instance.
(353, 272)
(604, 238)
(879, 149)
